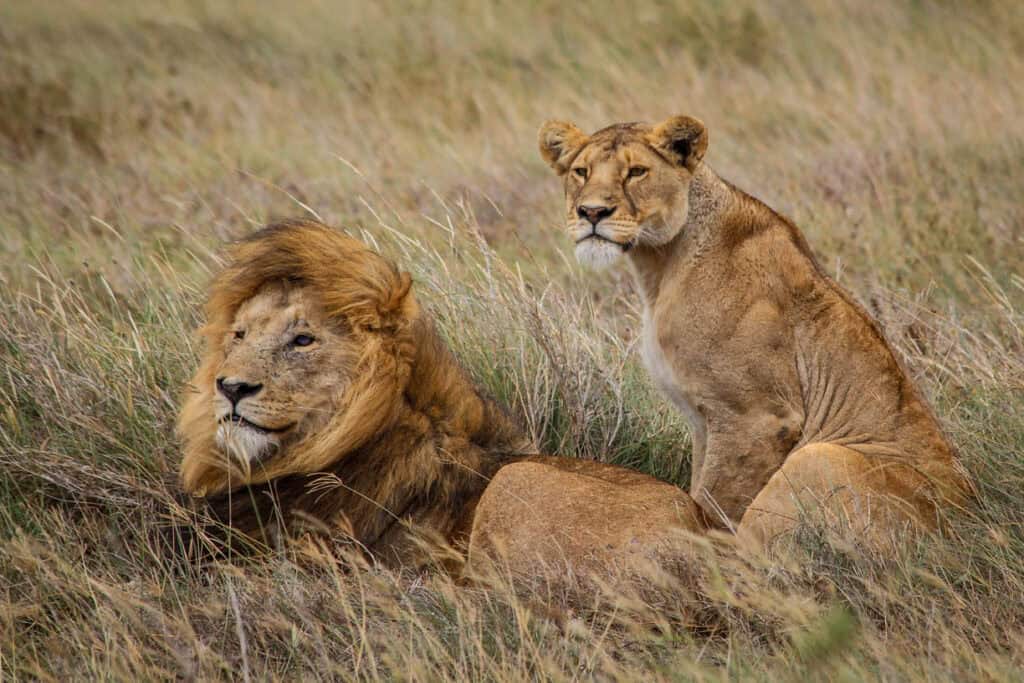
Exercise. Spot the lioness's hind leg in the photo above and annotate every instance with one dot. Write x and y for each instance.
(837, 488)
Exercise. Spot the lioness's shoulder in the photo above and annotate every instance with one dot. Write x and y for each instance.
(756, 238)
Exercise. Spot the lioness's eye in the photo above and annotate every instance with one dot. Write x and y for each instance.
(239, 334)
(303, 340)
(637, 171)
(581, 171)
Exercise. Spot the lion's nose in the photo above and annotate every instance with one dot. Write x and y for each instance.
(235, 389)
(594, 214)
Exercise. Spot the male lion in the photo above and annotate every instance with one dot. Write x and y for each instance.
(797, 402)
(326, 396)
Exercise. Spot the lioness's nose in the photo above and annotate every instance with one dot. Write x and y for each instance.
(235, 389)
(594, 214)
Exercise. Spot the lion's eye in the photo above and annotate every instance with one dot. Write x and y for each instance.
(637, 171)
(239, 334)
(580, 171)
(303, 340)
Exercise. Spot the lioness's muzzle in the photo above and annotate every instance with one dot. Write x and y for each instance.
(594, 234)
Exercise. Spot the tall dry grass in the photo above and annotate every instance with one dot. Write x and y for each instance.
(135, 138)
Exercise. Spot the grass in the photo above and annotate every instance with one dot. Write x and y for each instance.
(135, 138)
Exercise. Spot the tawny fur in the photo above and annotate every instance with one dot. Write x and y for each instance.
(384, 438)
(573, 518)
(796, 400)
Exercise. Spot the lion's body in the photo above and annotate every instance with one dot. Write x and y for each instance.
(792, 390)
(326, 400)
(561, 517)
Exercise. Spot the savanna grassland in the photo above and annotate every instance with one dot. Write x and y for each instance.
(135, 138)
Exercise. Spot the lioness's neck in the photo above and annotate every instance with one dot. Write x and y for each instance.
(710, 199)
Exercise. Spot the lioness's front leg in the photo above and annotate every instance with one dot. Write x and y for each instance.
(743, 451)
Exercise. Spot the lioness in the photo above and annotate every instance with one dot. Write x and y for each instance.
(326, 398)
(795, 398)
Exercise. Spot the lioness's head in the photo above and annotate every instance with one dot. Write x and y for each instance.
(306, 356)
(625, 185)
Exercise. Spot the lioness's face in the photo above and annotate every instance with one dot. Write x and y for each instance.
(620, 195)
(626, 185)
(285, 367)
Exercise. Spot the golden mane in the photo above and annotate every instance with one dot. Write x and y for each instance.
(412, 440)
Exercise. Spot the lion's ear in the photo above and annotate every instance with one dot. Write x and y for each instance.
(402, 306)
(681, 139)
(560, 142)
(397, 305)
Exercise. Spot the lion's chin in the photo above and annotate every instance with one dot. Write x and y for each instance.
(598, 253)
(247, 446)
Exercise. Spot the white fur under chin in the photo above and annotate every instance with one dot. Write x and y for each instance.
(245, 445)
(598, 254)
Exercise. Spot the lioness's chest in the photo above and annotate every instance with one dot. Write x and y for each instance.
(667, 378)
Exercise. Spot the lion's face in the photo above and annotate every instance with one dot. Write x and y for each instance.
(308, 353)
(285, 367)
(626, 185)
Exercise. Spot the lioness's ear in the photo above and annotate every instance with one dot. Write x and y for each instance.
(560, 142)
(682, 139)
